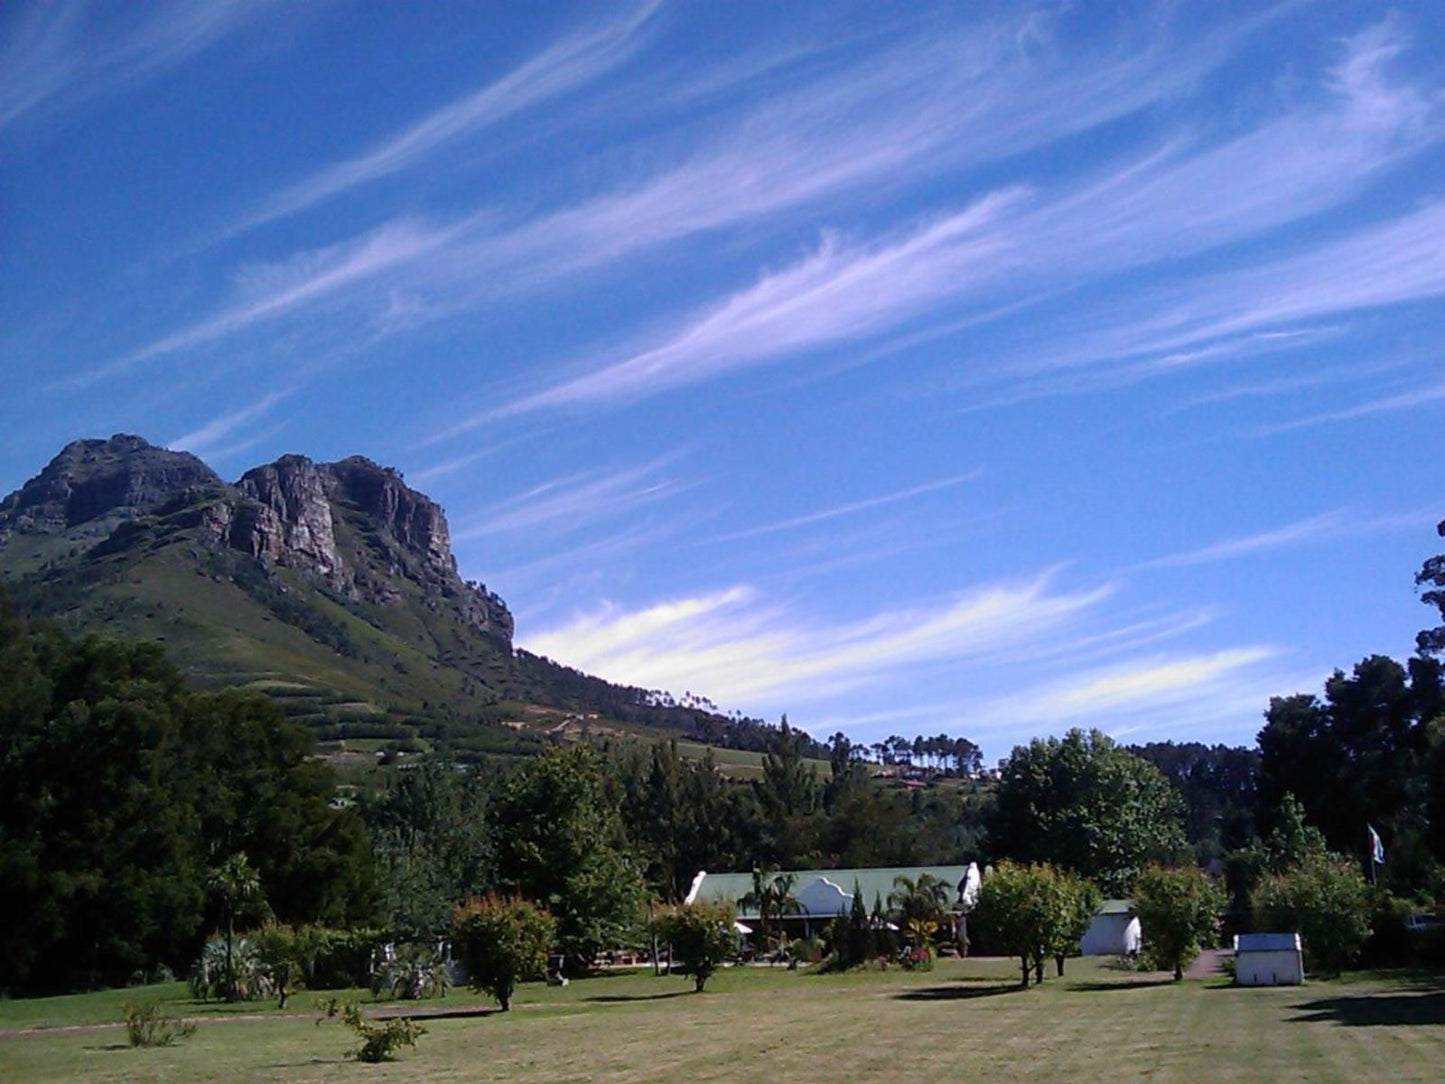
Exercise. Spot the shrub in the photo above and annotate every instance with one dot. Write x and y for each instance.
(1326, 900)
(340, 959)
(501, 940)
(701, 935)
(147, 1025)
(379, 1038)
(208, 974)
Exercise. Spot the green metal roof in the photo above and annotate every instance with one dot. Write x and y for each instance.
(875, 883)
(1115, 907)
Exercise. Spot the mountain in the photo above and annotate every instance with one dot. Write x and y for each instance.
(330, 586)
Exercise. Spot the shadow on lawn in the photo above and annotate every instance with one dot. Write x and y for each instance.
(614, 998)
(1375, 1010)
(956, 992)
(1117, 984)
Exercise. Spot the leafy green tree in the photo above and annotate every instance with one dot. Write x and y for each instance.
(701, 935)
(561, 843)
(282, 952)
(238, 888)
(1178, 912)
(1024, 910)
(788, 796)
(501, 941)
(1324, 899)
(1432, 577)
(1079, 905)
(1082, 803)
(1359, 756)
(432, 846)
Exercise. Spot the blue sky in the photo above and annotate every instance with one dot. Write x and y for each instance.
(903, 368)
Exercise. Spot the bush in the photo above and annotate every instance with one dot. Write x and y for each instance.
(1178, 911)
(701, 936)
(501, 940)
(340, 959)
(208, 974)
(379, 1038)
(1327, 901)
(147, 1025)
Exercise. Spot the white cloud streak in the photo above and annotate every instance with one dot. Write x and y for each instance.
(212, 435)
(733, 646)
(60, 54)
(557, 70)
(1329, 526)
(850, 508)
(567, 504)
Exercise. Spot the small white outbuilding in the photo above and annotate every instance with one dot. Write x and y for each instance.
(1114, 931)
(1268, 959)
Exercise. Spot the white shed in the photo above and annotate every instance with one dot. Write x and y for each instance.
(1268, 959)
(1114, 931)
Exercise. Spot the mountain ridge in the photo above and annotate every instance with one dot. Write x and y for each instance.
(330, 586)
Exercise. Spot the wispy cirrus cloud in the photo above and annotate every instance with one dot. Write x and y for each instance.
(734, 645)
(66, 51)
(1328, 526)
(850, 508)
(1165, 205)
(568, 504)
(559, 69)
(1428, 395)
(213, 435)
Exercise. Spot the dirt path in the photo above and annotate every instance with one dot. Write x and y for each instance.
(1208, 963)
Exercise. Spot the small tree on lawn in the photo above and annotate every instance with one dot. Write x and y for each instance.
(282, 952)
(701, 935)
(501, 940)
(1079, 905)
(1178, 911)
(1021, 910)
(1326, 900)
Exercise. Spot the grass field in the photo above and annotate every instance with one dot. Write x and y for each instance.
(961, 1021)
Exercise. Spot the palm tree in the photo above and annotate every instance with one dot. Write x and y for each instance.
(236, 883)
(773, 897)
(925, 898)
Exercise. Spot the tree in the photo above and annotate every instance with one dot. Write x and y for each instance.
(1359, 756)
(430, 837)
(1326, 901)
(924, 899)
(772, 895)
(561, 843)
(701, 935)
(1082, 803)
(1178, 912)
(1081, 900)
(1025, 911)
(282, 952)
(238, 888)
(501, 940)
(1432, 576)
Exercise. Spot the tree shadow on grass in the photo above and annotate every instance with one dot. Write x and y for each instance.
(956, 992)
(390, 1013)
(1117, 984)
(1375, 1010)
(109, 1046)
(616, 998)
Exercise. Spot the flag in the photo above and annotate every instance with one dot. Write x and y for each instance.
(1377, 847)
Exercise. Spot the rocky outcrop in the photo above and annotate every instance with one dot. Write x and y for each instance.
(93, 485)
(287, 519)
(354, 526)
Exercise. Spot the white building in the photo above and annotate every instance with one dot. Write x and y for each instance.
(1268, 959)
(1114, 932)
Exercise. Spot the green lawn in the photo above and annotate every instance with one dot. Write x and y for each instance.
(961, 1021)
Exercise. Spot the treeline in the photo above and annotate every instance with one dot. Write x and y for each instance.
(120, 791)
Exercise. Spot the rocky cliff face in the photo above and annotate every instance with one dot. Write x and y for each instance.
(353, 526)
(92, 485)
